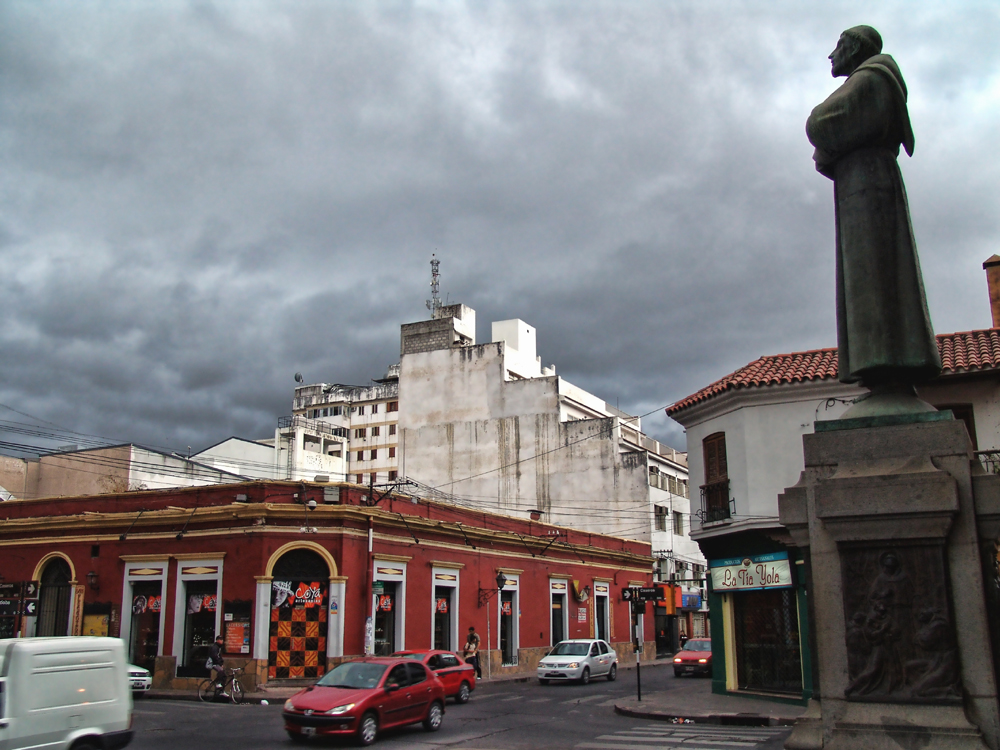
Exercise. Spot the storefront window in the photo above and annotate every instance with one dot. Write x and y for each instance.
(508, 628)
(201, 603)
(444, 613)
(147, 601)
(767, 641)
(385, 619)
(601, 616)
(298, 627)
(558, 618)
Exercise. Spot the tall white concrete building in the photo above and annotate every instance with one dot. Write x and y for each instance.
(488, 426)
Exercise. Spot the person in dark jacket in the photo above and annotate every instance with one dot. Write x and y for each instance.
(218, 670)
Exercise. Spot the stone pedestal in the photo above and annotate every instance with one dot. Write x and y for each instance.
(888, 518)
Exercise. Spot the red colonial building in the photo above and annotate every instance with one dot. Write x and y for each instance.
(301, 576)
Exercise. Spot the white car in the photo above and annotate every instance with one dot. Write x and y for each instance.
(578, 660)
(140, 679)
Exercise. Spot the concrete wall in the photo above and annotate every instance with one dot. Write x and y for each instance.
(83, 472)
(468, 431)
(13, 477)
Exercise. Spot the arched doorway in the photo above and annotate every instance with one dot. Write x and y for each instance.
(54, 598)
(298, 627)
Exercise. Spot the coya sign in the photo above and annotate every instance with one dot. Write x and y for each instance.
(771, 571)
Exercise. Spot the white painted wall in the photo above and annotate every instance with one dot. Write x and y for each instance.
(764, 428)
(156, 471)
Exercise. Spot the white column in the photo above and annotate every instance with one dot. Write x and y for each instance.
(335, 618)
(262, 621)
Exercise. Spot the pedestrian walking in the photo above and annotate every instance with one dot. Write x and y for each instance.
(472, 651)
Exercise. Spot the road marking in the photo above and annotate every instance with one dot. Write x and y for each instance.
(512, 698)
(670, 737)
(540, 700)
(611, 702)
(586, 699)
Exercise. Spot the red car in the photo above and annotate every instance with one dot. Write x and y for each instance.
(362, 697)
(459, 678)
(694, 658)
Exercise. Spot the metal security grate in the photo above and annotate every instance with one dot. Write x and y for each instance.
(767, 641)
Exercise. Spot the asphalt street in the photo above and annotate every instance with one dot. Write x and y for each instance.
(508, 716)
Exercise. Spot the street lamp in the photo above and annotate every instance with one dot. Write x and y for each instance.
(486, 594)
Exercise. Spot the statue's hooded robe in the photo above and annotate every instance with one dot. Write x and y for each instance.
(884, 331)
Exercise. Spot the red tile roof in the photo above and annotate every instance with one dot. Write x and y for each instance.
(960, 352)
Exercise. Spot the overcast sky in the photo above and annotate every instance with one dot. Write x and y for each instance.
(198, 199)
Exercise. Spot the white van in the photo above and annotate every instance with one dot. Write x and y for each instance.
(63, 693)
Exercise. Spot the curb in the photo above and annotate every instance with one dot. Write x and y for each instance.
(674, 717)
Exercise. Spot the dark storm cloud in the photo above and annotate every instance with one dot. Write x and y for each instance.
(200, 199)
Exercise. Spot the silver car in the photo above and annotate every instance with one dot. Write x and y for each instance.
(578, 659)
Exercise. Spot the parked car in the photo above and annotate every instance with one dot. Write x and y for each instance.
(140, 679)
(459, 678)
(365, 696)
(694, 658)
(64, 692)
(578, 660)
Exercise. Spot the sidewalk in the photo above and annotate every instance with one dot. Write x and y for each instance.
(690, 699)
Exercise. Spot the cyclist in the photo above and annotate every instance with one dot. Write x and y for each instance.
(218, 670)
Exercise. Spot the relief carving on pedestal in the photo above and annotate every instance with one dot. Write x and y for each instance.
(900, 635)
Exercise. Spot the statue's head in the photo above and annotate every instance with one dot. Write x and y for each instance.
(855, 46)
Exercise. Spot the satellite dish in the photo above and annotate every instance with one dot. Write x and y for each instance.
(298, 377)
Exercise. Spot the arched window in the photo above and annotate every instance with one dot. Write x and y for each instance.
(54, 599)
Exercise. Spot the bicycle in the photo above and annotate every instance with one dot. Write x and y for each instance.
(209, 691)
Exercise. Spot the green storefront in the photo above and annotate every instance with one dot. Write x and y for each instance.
(760, 623)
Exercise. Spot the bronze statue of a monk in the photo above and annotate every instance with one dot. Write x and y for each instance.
(884, 331)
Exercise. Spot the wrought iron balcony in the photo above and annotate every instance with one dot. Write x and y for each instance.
(715, 502)
(990, 460)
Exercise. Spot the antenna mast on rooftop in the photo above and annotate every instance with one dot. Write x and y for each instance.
(434, 303)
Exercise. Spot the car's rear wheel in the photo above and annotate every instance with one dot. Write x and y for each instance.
(463, 693)
(613, 673)
(368, 729)
(435, 715)
(542, 681)
(585, 677)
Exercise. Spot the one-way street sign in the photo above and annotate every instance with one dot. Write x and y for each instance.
(30, 607)
(643, 594)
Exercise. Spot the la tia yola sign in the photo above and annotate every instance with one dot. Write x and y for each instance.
(770, 571)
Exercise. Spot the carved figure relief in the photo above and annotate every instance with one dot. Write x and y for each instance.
(900, 635)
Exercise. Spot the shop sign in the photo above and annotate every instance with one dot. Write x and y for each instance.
(385, 604)
(378, 588)
(690, 601)
(142, 604)
(237, 637)
(308, 594)
(771, 571)
(581, 614)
